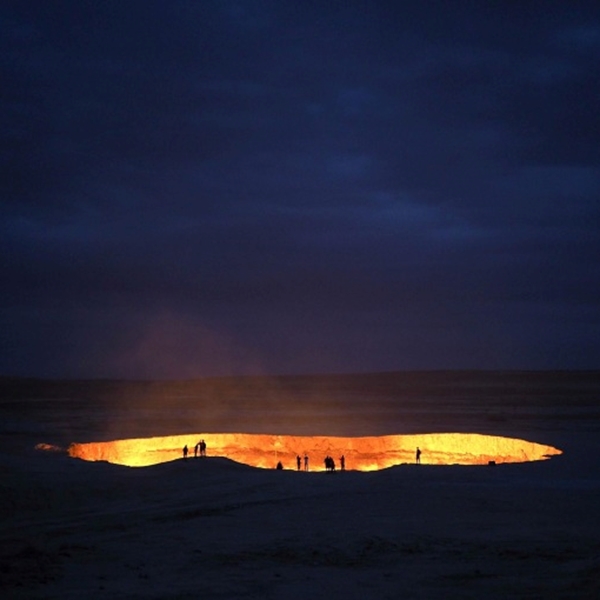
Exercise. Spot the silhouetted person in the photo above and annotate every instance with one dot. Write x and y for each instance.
(343, 462)
(185, 452)
(202, 448)
(196, 450)
(418, 456)
(279, 466)
(298, 461)
(306, 462)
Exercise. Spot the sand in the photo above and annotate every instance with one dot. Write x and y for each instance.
(211, 528)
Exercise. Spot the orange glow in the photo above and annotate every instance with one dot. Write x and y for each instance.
(361, 453)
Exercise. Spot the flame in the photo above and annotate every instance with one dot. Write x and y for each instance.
(360, 453)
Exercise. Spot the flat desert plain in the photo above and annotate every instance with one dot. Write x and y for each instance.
(213, 528)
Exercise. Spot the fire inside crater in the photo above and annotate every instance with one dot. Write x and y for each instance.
(360, 453)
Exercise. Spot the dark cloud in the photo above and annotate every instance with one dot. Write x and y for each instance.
(304, 186)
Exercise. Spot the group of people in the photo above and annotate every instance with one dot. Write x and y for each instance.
(199, 449)
(330, 463)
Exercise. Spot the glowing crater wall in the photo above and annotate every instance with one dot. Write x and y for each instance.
(361, 453)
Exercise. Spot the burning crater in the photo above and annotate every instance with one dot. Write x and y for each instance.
(360, 453)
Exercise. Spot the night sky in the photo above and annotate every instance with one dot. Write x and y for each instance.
(273, 187)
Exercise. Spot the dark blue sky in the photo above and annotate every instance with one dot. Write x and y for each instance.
(214, 188)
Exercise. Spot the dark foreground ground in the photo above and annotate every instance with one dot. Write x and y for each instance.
(214, 529)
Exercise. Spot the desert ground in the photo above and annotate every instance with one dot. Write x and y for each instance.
(213, 528)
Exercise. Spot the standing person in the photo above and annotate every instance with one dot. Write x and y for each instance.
(185, 452)
(305, 462)
(418, 456)
(196, 451)
(343, 462)
(298, 461)
(202, 448)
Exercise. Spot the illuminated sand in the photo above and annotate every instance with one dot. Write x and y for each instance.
(361, 453)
